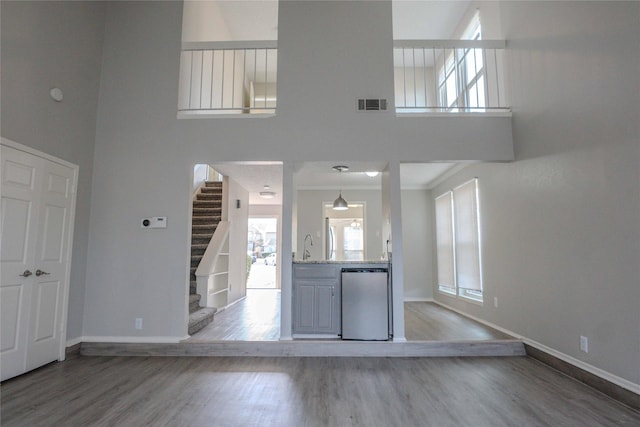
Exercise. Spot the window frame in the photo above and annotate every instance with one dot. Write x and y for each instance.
(467, 294)
(454, 66)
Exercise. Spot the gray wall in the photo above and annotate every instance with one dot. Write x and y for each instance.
(324, 50)
(45, 45)
(142, 169)
(417, 238)
(560, 231)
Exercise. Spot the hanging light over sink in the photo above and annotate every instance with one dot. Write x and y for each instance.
(340, 204)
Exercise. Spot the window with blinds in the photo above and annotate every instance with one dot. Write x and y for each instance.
(444, 243)
(458, 241)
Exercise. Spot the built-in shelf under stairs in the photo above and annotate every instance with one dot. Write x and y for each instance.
(207, 213)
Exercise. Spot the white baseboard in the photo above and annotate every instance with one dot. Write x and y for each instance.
(418, 299)
(73, 341)
(315, 336)
(140, 340)
(626, 384)
(608, 376)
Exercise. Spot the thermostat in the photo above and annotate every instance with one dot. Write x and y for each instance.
(154, 222)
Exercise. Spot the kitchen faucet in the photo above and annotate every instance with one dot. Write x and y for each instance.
(306, 254)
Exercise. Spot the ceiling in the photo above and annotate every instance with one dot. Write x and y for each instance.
(253, 176)
(426, 20)
(412, 19)
(250, 19)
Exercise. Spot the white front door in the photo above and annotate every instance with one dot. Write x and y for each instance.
(37, 211)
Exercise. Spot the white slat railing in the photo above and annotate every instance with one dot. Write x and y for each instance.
(228, 77)
(449, 76)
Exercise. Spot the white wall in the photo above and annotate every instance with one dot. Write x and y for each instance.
(45, 45)
(239, 219)
(417, 238)
(560, 232)
(311, 219)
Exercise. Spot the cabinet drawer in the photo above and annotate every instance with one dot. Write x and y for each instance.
(315, 272)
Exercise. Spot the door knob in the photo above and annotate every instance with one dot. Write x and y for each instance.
(41, 273)
(26, 273)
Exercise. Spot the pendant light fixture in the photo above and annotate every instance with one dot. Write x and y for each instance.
(340, 204)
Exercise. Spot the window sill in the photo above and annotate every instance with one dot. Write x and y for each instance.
(188, 115)
(460, 114)
(448, 293)
(472, 300)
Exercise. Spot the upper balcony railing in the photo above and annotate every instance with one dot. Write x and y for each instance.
(449, 76)
(228, 78)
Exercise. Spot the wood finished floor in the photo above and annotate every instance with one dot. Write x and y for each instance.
(283, 392)
(257, 318)
(427, 321)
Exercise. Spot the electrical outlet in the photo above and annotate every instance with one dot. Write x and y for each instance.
(495, 302)
(584, 344)
(139, 323)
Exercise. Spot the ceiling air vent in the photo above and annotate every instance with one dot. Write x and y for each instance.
(372, 104)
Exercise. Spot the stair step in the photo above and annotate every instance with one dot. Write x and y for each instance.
(211, 204)
(213, 184)
(203, 228)
(194, 303)
(211, 221)
(195, 261)
(209, 196)
(201, 239)
(200, 318)
(214, 192)
(192, 286)
(204, 225)
(213, 212)
(199, 246)
(198, 251)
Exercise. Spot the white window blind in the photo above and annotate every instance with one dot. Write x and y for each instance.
(444, 241)
(467, 236)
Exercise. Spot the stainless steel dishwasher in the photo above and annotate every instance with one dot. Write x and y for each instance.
(365, 304)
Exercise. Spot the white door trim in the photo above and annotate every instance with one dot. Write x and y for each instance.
(65, 293)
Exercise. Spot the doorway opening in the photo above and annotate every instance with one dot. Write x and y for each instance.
(344, 233)
(262, 256)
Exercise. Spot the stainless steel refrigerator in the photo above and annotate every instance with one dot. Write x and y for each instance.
(365, 304)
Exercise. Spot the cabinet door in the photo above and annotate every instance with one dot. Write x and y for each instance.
(326, 308)
(316, 307)
(304, 319)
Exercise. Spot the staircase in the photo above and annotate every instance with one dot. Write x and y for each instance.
(207, 213)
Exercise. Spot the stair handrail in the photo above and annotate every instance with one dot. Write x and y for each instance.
(208, 263)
